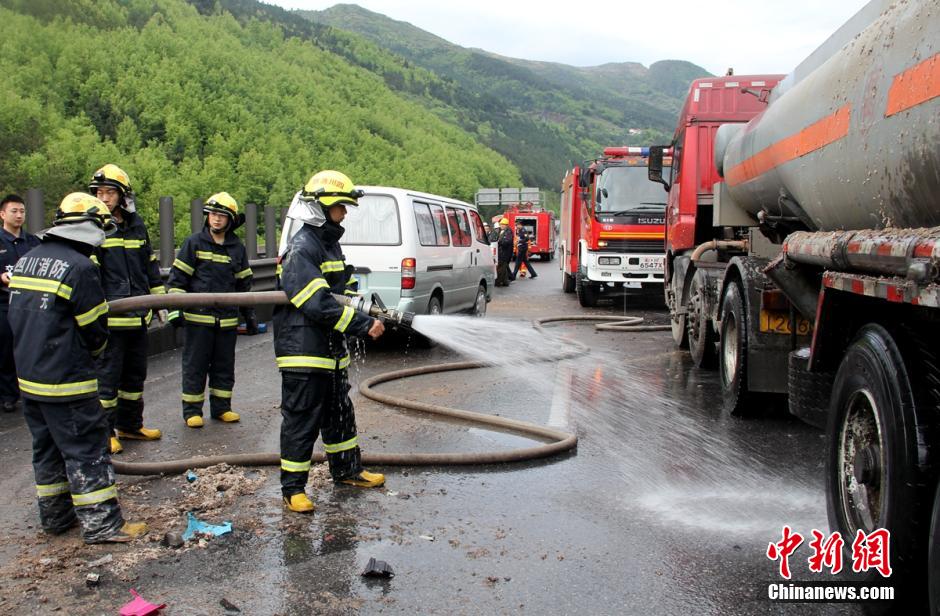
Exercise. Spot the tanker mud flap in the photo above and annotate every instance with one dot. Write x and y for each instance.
(767, 351)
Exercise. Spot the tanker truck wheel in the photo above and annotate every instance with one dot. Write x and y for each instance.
(872, 473)
(933, 559)
(701, 336)
(732, 367)
(678, 322)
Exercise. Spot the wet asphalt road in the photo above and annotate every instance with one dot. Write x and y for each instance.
(666, 507)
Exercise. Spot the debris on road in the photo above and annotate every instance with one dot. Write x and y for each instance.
(194, 525)
(427, 537)
(92, 580)
(140, 606)
(190, 476)
(104, 560)
(228, 605)
(378, 569)
(173, 539)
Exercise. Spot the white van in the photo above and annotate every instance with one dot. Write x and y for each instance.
(421, 253)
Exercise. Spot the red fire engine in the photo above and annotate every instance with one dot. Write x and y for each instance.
(539, 222)
(612, 227)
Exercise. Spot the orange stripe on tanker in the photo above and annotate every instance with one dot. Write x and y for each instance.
(916, 85)
(814, 137)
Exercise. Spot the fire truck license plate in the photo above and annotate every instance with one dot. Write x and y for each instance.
(776, 322)
(652, 263)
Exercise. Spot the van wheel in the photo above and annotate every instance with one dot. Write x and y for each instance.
(479, 306)
(434, 306)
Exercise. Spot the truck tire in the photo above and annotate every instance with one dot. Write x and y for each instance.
(567, 282)
(680, 335)
(701, 334)
(873, 474)
(933, 557)
(809, 392)
(587, 293)
(732, 365)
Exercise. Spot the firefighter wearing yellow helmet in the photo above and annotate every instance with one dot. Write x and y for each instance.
(59, 318)
(213, 260)
(128, 268)
(505, 243)
(310, 341)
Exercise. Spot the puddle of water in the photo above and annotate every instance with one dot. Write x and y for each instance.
(666, 440)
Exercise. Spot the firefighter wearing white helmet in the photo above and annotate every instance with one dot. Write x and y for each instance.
(310, 340)
(128, 268)
(59, 318)
(213, 260)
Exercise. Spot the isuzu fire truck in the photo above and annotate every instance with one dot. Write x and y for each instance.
(612, 227)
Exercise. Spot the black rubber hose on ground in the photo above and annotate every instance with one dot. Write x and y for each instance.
(559, 441)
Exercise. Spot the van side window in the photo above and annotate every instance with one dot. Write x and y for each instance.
(440, 225)
(459, 226)
(426, 234)
(478, 230)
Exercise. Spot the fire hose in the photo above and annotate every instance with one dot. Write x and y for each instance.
(559, 441)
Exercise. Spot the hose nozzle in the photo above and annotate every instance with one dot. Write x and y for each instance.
(374, 307)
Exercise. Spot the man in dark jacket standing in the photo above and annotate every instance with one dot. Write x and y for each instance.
(59, 317)
(211, 261)
(128, 268)
(14, 243)
(310, 341)
(504, 244)
(522, 252)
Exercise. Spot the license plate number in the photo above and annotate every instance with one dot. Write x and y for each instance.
(776, 322)
(652, 263)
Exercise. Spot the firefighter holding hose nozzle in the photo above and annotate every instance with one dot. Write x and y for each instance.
(310, 340)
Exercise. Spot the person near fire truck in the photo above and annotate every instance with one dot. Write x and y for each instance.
(59, 317)
(128, 268)
(213, 260)
(522, 252)
(504, 244)
(14, 243)
(310, 341)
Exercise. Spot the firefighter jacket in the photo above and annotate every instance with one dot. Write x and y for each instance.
(11, 249)
(522, 242)
(204, 266)
(310, 331)
(129, 268)
(504, 245)
(58, 314)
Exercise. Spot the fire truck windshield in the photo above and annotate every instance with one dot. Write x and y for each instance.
(627, 189)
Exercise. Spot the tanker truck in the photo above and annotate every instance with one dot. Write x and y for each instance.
(826, 232)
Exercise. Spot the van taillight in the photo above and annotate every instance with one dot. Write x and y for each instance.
(407, 273)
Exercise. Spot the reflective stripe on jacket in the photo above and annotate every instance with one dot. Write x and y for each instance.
(59, 317)
(129, 268)
(310, 332)
(204, 266)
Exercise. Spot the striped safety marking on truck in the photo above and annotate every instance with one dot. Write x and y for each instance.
(890, 289)
(916, 85)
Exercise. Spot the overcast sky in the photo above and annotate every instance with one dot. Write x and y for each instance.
(753, 36)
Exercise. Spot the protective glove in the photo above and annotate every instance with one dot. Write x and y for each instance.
(162, 315)
(251, 321)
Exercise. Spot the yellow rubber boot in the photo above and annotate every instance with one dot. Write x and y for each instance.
(365, 479)
(128, 532)
(194, 422)
(299, 503)
(143, 434)
(229, 417)
(116, 446)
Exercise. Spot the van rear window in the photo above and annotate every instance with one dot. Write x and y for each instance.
(375, 222)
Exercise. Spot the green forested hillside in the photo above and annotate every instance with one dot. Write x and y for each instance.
(190, 99)
(540, 115)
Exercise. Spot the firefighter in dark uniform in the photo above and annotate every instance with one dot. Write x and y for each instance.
(59, 314)
(128, 268)
(522, 252)
(14, 243)
(211, 261)
(310, 342)
(504, 244)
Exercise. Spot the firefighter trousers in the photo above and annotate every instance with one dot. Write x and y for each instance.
(208, 351)
(520, 259)
(72, 465)
(9, 389)
(122, 370)
(312, 403)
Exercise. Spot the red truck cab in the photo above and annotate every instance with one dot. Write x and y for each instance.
(612, 229)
